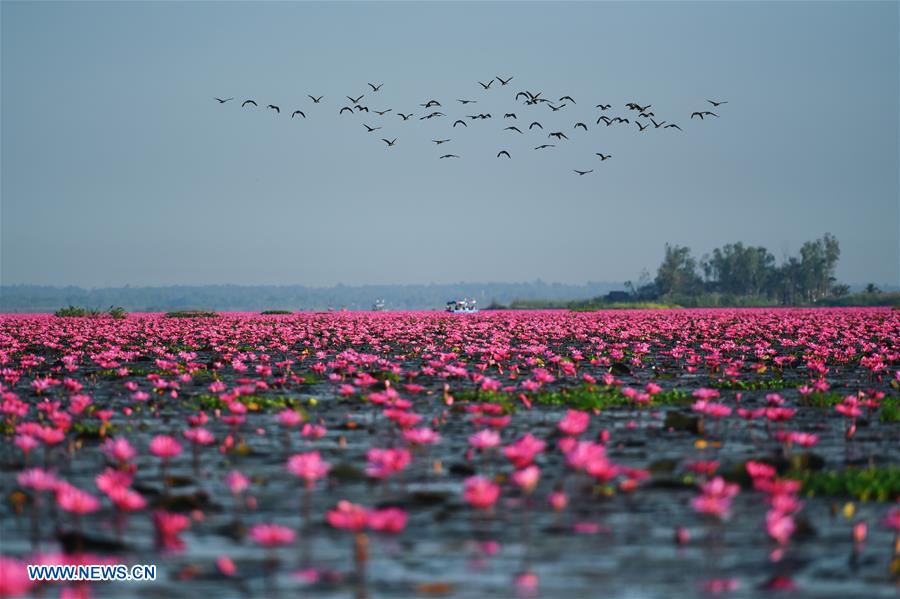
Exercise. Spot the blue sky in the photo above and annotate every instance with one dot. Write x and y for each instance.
(119, 168)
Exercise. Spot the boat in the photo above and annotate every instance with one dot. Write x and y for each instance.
(462, 306)
(378, 306)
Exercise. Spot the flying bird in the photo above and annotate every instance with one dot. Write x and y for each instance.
(510, 115)
(672, 126)
(430, 103)
(647, 115)
(502, 82)
(603, 157)
(569, 98)
(355, 100)
(459, 122)
(449, 156)
(275, 108)
(542, 146)
(405, 117)
(440, 141)
(431, 116)
(296, 112)
(704, 113)
(375, 88)
(315, 99)
(486, 85)
(582, 125)
(361, 108)
(503, 153)
(389, 143)
(657, 125)
(605, 119)
(347, 108)
(582, 173)
(719, 103)
(382, 112)
(535, 123)
(516, 129)
(464, 102)
(604, 106)
(621, 120)
(221, 101)
(370, 129)
(640, 126)
(558, 135)
(248, 102)
(557, 108)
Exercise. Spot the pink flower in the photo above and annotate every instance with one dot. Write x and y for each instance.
(126, 500)
(290, 418)
(485, 439)
(37, 479)
(480, 492)
(237, 482)
(118, 449)
(165, 447)
(272, 535)
(759, 469)
(522, 452)
(421, 436)
(168, 526)
(308, 466)
(385, 462)
(558, 501)
(316, 431)
(14, 580)
(110, 479)
(199, 436)
(388, 520)
(226, 565)
(574, 423)
(76, 501)
(527, 478)
(780, 526)
(348, 516)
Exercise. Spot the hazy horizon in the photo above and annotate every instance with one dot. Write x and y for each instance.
(119, 168)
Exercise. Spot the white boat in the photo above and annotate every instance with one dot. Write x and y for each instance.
(462, 306)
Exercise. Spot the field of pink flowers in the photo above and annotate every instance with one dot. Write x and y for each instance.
(645, 453)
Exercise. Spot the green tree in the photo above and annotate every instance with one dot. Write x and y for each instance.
(677, 275)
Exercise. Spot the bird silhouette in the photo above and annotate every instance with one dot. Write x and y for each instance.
(375, 88)
(389, 143)
(440, 141)
(248, 102)
(370, 129)
(510, 115)
(221, 101)
(361, 108)
(502, 81)
(275, 108)
(503, 153)
(486, 85)
(604, 106)
(355, 100)
(405, 117)
(647, 115)
(605, 119)
(640, 126)
(449, 156)
(603, 157)
(535, 123)
(464, 102)
(430, 103)
(582, 125)
(347, 108)
(657, 125)
(569, 98)
(672, 126)
(516, 129)
(459, 122)
(719, 103)
(315, 99)
(431, 116)
(619, 119)
(557, 108)
(296, 112)
(526, 94)
(558, 135)
(382, 112)
(582, 173)
(704, 113)
(542, 146)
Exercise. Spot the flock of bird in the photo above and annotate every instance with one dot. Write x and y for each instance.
(432, 110)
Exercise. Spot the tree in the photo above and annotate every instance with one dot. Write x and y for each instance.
(677, 275)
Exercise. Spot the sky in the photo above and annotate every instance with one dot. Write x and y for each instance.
(119, 167)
